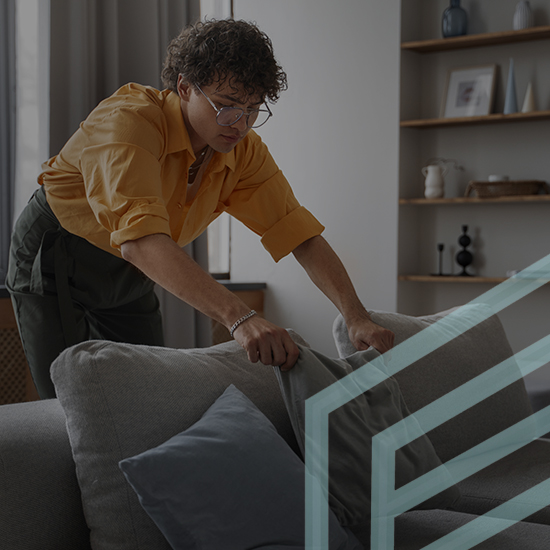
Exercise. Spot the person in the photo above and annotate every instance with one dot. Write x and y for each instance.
(144, 175)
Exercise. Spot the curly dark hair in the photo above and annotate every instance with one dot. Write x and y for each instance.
(214, 51)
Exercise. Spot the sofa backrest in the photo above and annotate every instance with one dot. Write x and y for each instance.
(448, 367)
(40, 505)
(121, 400)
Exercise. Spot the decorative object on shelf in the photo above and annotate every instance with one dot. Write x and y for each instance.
(434, 184)
(496, 177)
(440, 249)
(470, 91)
(523, 16)
(454, 21)
(464, 257)
(529, 101)
(489, 189)
(511, 101)
(434, 173)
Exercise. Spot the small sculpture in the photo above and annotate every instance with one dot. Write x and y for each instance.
(464, 257)
(511, 101)
(440, 248)
(529, 101)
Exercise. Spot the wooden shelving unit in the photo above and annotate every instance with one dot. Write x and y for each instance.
(476, 200)
(477, 40)
(461, 43)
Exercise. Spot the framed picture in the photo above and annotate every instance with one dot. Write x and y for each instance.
(470, 91)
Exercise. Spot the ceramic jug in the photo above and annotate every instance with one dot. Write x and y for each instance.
(434, 184)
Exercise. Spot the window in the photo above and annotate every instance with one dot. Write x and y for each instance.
(7, 129)
(219, 247)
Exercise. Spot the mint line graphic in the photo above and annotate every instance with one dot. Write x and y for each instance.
(496, 520)
(470, 462)
(318, 408)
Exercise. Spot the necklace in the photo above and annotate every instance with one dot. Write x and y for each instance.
(198, 161)
(196, 166)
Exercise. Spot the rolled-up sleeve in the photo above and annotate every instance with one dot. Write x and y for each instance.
(295, 228)
(266, 204)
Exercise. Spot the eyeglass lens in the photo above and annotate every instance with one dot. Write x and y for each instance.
(229, 115)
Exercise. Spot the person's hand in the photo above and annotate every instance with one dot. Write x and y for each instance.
(267, 343)
(364, 332)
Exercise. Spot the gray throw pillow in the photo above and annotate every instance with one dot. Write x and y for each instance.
(470, 353)
(229, 481)
(351, 429)
(121, 400)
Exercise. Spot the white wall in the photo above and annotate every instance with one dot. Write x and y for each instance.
(335, 136)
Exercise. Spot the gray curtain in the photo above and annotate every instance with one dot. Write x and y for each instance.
(99, 45)
(7, 128)
(96, 47)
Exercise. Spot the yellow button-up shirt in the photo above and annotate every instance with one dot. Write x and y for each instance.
(123, 175)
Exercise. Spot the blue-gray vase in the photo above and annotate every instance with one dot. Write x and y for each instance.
(455, 20)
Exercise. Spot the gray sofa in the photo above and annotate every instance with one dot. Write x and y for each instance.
(61, 487)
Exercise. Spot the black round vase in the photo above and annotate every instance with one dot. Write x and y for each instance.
(464, 257)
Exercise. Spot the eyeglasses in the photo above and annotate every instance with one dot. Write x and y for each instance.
(227, 116)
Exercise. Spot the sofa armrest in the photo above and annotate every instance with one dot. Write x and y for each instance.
(40, 504)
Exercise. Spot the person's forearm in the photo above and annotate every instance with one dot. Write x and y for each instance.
(327, 272)
(164, 262)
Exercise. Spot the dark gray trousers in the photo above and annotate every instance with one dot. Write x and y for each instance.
(65, 291)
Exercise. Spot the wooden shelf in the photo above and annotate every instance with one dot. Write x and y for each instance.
(477, 40)
(473, 120)
(456, 279)
(451, 279)
(477, 200)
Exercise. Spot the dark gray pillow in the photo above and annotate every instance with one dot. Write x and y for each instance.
(351, 429)
(229, 481)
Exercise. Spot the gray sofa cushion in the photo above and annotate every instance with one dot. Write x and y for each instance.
(189, 484)
(352, 427)
(507, 478)
(121, 400)
(416, 530)
(448, 367)
(39, 496)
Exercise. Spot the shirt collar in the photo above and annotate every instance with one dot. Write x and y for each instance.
(178, 137)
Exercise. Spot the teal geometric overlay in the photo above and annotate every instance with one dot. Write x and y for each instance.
(387, 502)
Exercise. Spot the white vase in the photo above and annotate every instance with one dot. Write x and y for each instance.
(434, 185)
(523, 16)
